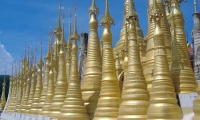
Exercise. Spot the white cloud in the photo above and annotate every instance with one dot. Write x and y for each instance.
(6, 60)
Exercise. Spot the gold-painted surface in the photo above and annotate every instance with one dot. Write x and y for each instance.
(14, 96)
(120, 43)
(58, 33)
(140, 37)
(19, 93)
(181, 71)
(50, 89)
(38, 88)
(61, 84)
(7, 107)
(23, 92)
(33, 85)
(118, 66)
(110, 96)
(73, 107)
(125, 56)
(163, 102)
(135, 97)
(68, 53)
(26, 94)
(149, 63)
(196, 105)
(91, 83)
(45, 82)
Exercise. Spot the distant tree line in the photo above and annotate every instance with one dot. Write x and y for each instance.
(7, 84)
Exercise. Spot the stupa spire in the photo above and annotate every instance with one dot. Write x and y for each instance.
(135, 91)
(94, 9)
(38, 89)
(91, 83)
(24, 101)
(33, 85)
(68, 51)
(162, 96)
(61, 83)
(62, 41)
(149, 64)
(45, 83)
(107, 19)
(58, 28)
(50, 89)
(183, 77)
(73, 106)
(110, 95)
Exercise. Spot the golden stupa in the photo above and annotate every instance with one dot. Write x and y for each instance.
(38, 87)
(73, 107)
(61, 82)
(33, 85)
(135, 97)
(90, 86)
(163, 102)
(181, 71)
(110, 95)
(50, 87)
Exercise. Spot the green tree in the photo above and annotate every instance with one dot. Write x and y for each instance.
(7, 77)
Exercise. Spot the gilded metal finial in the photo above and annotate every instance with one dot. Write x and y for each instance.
(58, 28)
(69, 34)
(40, 63)
(4, 83)
(75, 35)
(62, 41)
(93, 9)
(107, 19)
(131, 11)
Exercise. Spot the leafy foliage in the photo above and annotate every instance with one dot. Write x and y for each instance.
(7, 84)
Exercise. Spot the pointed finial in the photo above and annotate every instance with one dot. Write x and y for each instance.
(5, 76)
(75, 35)
(107, 19)
(75, 8)
(58, 28)
(59, 11)
(40, 63)
(52, 61)
(50, 30)
(131, 12)
(93, 9)
(195, 6)
(62, 41)
(12, 68)
(69, 34)
(41, 50)
(48, 52)
(25, 54)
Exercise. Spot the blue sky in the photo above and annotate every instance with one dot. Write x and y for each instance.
(29, 21)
